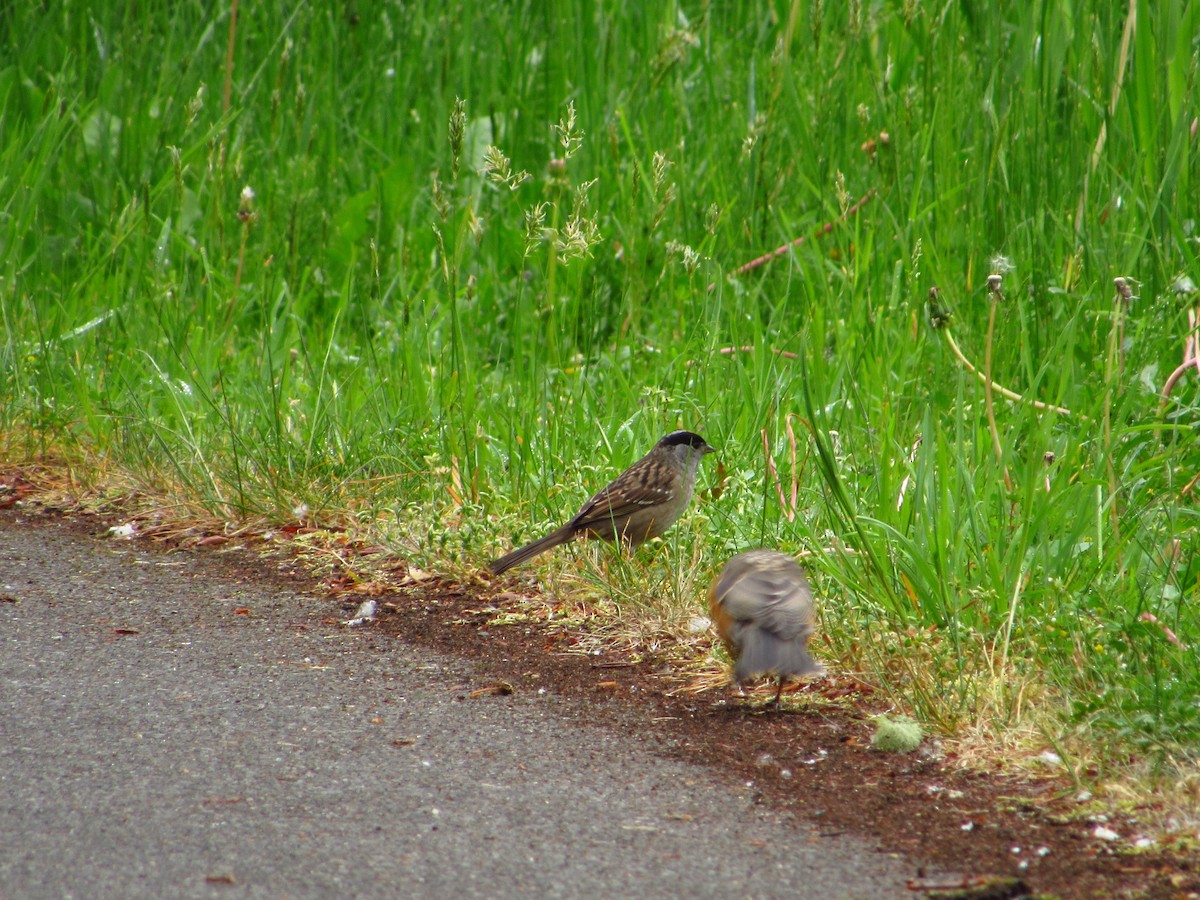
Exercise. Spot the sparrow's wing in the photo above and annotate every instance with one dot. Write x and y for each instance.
(639, 487)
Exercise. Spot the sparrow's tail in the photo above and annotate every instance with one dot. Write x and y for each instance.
(763, 653)
(529, 551)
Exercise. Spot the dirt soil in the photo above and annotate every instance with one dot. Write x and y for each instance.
(1022, 837)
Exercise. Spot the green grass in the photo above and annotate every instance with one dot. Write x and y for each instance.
(382, 333)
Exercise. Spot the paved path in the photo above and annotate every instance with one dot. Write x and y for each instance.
(169, 731)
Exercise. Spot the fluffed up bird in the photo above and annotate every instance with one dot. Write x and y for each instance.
(640, 504)
(763, 608)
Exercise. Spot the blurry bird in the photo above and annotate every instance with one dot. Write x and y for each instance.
(640, 504)
(763, 608)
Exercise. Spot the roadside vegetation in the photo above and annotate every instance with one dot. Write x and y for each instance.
(435, 272)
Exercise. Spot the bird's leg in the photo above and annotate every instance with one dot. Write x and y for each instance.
(778, 693)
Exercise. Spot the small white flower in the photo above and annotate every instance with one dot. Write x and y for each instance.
(1183, 285)
(1001, 264)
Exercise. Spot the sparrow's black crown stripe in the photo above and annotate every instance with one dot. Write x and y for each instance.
(690, 438)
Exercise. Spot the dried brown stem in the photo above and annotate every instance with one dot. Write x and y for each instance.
(1167, 632)
(789, 505)
(1191, 359)
(780, 251)
(999, 389)
(773, 473)
(1187, 488)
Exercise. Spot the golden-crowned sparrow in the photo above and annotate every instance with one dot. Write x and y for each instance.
(763, 609)
(642, 503)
